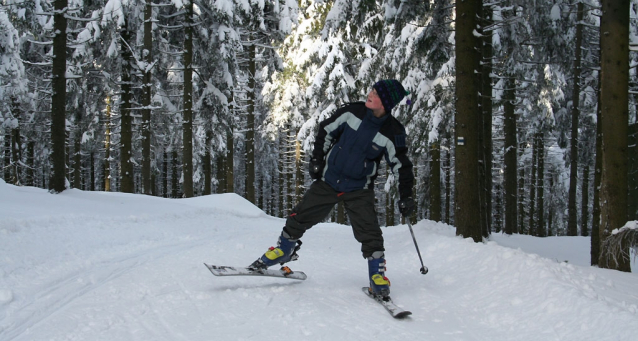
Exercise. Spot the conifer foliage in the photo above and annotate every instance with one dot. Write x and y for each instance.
(521, 115)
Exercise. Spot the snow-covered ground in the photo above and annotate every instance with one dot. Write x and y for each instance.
(113, 266)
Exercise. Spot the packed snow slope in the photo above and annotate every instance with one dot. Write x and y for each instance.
(112, 266)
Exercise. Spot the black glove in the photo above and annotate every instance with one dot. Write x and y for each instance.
(406, 206)
(315, 168)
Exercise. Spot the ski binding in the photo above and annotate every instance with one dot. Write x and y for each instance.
(387, 303)
(284, 272)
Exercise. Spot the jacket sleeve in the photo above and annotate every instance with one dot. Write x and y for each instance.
(401, 165)
(329, 131)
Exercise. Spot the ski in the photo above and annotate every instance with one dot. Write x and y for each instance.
(284, 272)
(387, 303)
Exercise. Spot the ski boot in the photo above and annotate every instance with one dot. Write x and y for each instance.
(285, 251)
(379, 284)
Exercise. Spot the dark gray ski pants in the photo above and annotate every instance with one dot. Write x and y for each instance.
(319, 201)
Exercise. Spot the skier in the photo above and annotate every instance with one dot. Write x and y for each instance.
(347, 150)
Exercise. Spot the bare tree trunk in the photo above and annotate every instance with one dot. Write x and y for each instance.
(30, 163)
(16, 143)
(521, 194)
(467, 198)
(187, 125)
(7, 156)
(550, 214)
(614, 28)
(595, 224)
(584, 220)
(532, 189)
(174, 175)
(486, 107)
(633, 172)
(435, 181)
(92, 177)
(282, 171)
(220, 164)
(230, 150)
(165, 175)
(147, 86)
(389, 210)
(208, 167)
(510, 155)
(250, 124)
(540, 186)
(448, 182)
(107, 146)
(299, 168)
(572, 229)
(77, 149)
(290, 165)
(126, 133)
(58, 98)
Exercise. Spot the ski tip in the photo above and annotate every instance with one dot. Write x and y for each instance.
(402, 314)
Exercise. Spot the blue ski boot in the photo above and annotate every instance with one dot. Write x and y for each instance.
(285, 251)
(379, 284)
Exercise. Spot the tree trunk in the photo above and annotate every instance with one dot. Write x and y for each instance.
(532, 189)
(467, 198)
(16, 143)
(486, 107)
(299, 168)
(448, 182)
(614, 27)
(58, 98)
(208, 166)
(174, 175)
(598, 166)
(281, 172)
(92, 177)
(250, 124)
(290, 164)
(147, 57)
(220, 164)
(126, 133)
(77, 149)
(31, 163)
(165, 175)
(540, 186)
(510, 155)
(107, 146)
(7, 156)
(572, 229)
(389, 210)
(230, 150)
(584, 220)
(550, 214)
(435, 181)
(633, 172)
(521, 194)
(187, 125)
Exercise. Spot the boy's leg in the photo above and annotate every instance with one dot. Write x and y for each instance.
(315, 206)
(366, 229)
(363, 217)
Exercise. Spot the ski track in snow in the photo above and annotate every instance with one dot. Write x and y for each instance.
(72, 268)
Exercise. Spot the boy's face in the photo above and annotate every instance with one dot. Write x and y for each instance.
(374, 102)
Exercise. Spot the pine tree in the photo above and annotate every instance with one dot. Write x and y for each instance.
(467, 127)
(614, 27)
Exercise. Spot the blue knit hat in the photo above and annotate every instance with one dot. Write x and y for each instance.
(391, 92)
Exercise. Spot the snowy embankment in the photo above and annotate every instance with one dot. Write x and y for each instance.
(112, 266)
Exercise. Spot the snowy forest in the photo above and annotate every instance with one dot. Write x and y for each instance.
(521, 117)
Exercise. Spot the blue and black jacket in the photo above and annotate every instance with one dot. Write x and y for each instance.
(352, 142)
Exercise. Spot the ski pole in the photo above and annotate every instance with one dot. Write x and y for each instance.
(424, 269)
